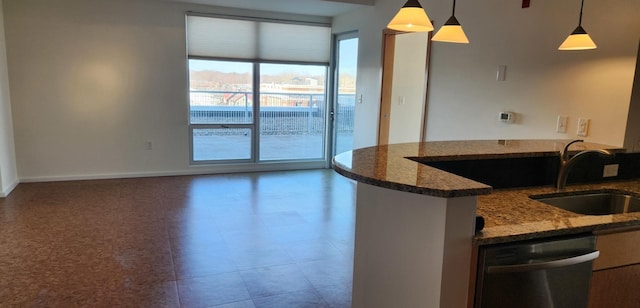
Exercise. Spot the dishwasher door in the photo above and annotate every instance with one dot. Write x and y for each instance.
(543, 274)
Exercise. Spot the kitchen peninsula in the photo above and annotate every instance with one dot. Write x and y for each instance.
(415, 222)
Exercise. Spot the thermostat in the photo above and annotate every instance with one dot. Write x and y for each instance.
(507, 117)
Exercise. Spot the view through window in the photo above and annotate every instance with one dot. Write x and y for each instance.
(345, 100)
(286, 122)
(257, 89)
(292, 111)
(221, 106)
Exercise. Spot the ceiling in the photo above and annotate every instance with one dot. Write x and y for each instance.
(327, 8)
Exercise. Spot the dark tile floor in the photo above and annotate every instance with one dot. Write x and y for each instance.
(279, 239)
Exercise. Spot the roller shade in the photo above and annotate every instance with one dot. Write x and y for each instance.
(257, 40)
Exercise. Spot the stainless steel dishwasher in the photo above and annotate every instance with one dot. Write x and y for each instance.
(543, 274)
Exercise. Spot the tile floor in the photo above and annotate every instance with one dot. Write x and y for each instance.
(280, 239)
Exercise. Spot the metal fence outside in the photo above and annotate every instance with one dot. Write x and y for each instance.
(280, 113)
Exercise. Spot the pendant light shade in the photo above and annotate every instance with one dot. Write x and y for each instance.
(579, 39)
(411, 18)
(451, 31)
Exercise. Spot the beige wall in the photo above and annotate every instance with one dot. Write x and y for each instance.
(92, 81)
(8, 171)
(407, 94)
(632, 136)
(541, 82)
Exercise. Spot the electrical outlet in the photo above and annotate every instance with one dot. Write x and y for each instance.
(583, 127)
(610, 170)
(561, 125)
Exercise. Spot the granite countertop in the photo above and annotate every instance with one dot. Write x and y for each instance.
(510, 215)
(400, 166)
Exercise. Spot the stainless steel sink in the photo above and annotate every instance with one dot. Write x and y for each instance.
(594, 203)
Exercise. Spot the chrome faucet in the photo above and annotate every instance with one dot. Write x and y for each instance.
(566, 163)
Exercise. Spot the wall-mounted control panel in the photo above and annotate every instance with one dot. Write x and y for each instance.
(507, 117)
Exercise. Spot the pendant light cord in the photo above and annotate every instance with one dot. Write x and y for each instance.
(579, 20)
(453, 12)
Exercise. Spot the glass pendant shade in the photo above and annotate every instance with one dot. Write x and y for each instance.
(451, 32)
(578, 40)
(411, 18)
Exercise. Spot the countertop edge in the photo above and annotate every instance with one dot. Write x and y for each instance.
(553, 233)
(434, 192)
(391, 166)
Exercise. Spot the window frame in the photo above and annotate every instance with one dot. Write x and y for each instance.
(321, 162)
(255, 125)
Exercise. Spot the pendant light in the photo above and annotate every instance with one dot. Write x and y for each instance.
(451, 31)
(411, 18)
(578, 39)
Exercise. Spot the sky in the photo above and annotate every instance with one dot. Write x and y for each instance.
(348, 57)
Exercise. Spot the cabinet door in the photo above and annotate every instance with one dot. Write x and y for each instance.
(617, 249)
(615, 287)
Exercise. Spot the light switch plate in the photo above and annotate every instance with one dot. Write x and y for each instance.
(610, 170)
(561, 125)
(501, 73)
(402, 100)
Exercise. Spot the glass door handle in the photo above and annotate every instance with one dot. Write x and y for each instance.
(534, 266)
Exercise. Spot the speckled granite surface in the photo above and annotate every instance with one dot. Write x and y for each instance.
(388, 166)
(510, 215)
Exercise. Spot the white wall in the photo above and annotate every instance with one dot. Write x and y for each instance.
(8, 172)
(407, 92)
(542, 82)
(93, 80)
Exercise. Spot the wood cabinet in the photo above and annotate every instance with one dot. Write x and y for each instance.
(615, 287)
(616, 275)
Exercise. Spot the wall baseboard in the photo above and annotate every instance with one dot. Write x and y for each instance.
(194, 170)
(6, 191)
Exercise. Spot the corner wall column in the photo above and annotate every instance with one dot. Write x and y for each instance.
(411, 250)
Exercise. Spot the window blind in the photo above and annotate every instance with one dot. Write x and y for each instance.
(257, 40)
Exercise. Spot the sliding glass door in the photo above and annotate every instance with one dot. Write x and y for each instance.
(257, 89)
(236, 117)
(292, 111)
(345, 87)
